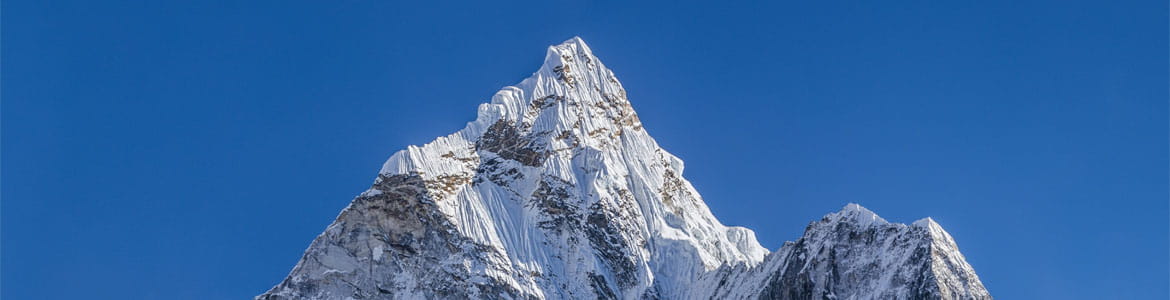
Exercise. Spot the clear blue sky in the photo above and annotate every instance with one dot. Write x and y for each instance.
(192, 150)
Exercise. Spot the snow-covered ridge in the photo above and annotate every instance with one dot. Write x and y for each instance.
(555, 190)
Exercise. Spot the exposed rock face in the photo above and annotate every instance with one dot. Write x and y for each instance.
(556, 191)
(386, 232)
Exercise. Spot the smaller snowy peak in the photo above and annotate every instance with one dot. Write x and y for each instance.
(856, 214)
(926, 222)
(933, 227)
(855, 254)
(936, 231)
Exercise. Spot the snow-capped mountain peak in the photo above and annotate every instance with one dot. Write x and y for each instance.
(555, 190)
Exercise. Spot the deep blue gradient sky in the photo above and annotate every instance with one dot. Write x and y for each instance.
(192, 150)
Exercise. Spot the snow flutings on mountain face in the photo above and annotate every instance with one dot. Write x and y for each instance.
(557, 191)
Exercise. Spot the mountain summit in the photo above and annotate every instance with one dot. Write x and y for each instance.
(557, 191)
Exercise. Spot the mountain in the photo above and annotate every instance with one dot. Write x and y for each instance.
(557, 191)
(854, 254)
